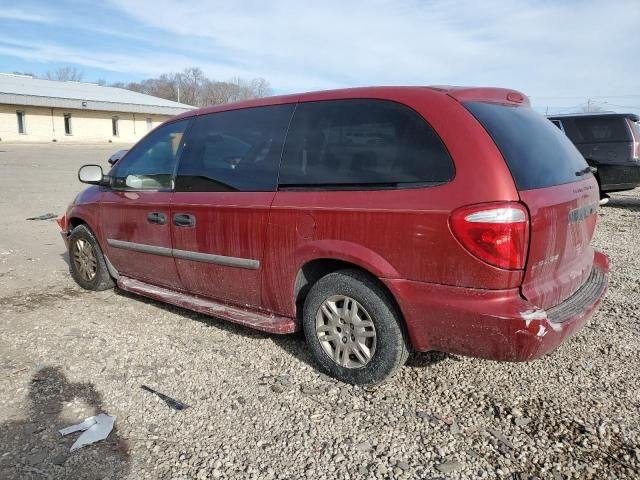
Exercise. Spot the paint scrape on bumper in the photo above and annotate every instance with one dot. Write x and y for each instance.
(495, 324)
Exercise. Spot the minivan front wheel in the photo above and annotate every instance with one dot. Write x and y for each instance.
(353, 328)
(86, 261)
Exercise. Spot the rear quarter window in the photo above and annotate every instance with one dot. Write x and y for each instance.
(537, 153)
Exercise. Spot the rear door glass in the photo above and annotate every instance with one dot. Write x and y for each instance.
(537, 153)
(362, 143)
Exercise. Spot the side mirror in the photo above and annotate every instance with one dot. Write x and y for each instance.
(91, 174)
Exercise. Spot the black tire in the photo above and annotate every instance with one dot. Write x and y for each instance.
(101, 280)
(604, 198)
(391, 348)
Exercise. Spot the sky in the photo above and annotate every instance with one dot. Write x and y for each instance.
(560, 53)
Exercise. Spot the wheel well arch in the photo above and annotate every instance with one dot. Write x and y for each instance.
(75, 221)
(314, 270)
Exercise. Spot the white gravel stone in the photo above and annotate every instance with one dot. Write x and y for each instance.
(259, 408)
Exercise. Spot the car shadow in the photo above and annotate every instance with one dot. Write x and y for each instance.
(294, 344)
(65, 257)
(428, 359)
(623, 202)
(33, 447)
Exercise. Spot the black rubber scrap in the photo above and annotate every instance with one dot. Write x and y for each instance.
(46, 216)
(171, 402)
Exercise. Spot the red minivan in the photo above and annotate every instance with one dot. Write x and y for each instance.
(377, 220)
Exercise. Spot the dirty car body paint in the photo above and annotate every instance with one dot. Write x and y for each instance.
(450, 299)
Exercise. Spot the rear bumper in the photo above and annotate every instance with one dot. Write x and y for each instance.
(616, 178)
(494, 324)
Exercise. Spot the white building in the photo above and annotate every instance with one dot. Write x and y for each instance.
(35, 110)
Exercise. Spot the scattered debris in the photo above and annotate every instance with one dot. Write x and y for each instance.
(171, 402)
(46, 216)
(95, 429)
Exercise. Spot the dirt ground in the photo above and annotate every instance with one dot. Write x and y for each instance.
(258, 408)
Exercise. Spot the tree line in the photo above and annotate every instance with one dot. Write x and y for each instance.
(190, 86)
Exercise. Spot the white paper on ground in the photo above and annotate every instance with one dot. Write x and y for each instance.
(78, 427)
(95, 429)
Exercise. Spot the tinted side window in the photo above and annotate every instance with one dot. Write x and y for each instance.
(151, 163)
(237, 150)
(358, 143)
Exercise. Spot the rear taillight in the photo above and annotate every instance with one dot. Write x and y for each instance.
(497, 233)
(635, 136)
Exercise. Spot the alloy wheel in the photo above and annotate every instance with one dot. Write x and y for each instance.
(345, 331)
(84, 259)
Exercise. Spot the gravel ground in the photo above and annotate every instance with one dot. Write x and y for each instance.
(258, 408)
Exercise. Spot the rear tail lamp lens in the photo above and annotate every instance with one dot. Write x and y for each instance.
(635, 136)
(497, 234)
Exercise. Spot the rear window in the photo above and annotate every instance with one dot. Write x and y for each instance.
(599, 129)
(537, 153)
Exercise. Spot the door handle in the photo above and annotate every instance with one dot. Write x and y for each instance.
(157, 218)
(184, 220)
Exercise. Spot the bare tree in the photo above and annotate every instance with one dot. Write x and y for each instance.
(26, 74)
(192, 83)
(65, 74)
(194, 88)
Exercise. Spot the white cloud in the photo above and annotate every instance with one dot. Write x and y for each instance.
(546, 49)
(539, 47)
(12, 14)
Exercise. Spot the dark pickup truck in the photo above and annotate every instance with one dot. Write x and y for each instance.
(610, 142)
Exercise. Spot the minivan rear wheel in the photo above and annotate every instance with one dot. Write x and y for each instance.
(353, 328)
(86, 261)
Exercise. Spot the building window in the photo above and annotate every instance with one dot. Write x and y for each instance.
(67, 124)
(114, 126)
(21, 127)
(149, 124)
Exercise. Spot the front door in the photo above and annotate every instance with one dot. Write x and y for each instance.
(136, 223)
(225, 184)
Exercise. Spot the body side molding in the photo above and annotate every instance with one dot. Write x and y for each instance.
(247, 263)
